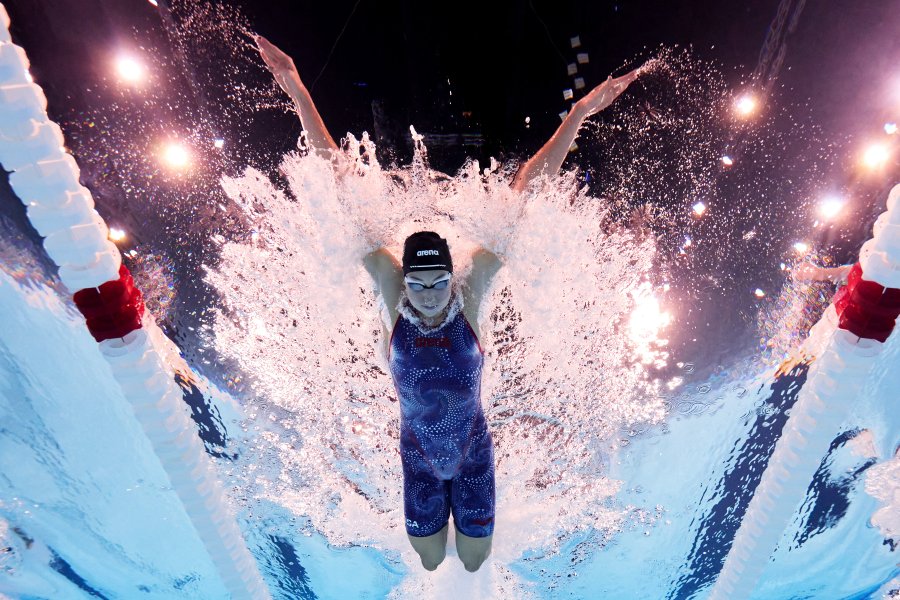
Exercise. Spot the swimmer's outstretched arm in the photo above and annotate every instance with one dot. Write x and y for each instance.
(282, 67)
(550, 157)
(810, 272)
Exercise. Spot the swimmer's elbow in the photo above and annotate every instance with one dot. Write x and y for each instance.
(376, 259)
(485, 260)
(382, 267)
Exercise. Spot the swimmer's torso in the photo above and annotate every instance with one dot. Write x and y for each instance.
(437, 375)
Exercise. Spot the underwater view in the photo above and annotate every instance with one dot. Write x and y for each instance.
(287, 288)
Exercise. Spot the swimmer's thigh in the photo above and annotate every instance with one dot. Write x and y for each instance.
(426, 499)
(472, 491)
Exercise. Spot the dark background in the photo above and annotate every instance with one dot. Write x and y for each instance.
(382, 65)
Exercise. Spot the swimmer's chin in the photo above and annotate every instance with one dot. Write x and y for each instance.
(430, 311)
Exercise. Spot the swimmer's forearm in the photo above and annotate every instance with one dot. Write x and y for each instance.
(551, 156)
(309, 116)
(835, 273)
(811, 272)
(285, 72)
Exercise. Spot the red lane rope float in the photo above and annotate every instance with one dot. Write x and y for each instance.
(112, 310)
(851, 336)
(46, 178)
(865, 308)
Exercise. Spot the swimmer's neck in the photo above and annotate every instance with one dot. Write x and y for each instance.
(436, 319)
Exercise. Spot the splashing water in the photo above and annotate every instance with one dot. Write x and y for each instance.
(301, 320)
(154, 274)
(785, 324)
(571, 329)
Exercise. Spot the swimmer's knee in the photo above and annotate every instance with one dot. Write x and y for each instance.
(432, 549)
(431, 560)
(473, 563)
(473, 551)
(472, 566)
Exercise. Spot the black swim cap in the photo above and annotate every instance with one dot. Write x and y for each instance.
(426, 251)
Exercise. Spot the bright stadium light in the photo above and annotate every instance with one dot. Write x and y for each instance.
(801, 247)
(831, 207)
(116, 234)
(876, 155)
(727, 161)
(647, 321)
(129, 69)
(176, 155)
(699, 209)
(745, 105)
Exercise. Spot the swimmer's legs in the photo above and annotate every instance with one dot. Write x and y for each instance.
(432, 548)
(472, 551)
(472, 500)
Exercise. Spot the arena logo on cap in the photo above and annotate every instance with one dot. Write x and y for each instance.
(428, 253)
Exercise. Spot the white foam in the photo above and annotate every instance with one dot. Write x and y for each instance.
(561, 375)
(883, 484)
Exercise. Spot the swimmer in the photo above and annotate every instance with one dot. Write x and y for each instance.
(810, 272)
(433, 347)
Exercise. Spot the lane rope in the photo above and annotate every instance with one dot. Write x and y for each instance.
(862, 316)
(46, 178)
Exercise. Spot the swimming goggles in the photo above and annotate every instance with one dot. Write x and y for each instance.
(440, 284)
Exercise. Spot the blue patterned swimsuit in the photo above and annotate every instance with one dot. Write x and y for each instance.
(445, 445)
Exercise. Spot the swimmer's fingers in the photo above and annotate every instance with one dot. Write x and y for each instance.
(277, 61)
(605, 94)
(620, 84)
(629, 77)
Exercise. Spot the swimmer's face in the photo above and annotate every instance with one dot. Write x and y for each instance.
(428, 291)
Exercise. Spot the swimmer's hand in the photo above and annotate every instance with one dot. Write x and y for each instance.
(277, 61)
(550, 157)
(605, 94)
